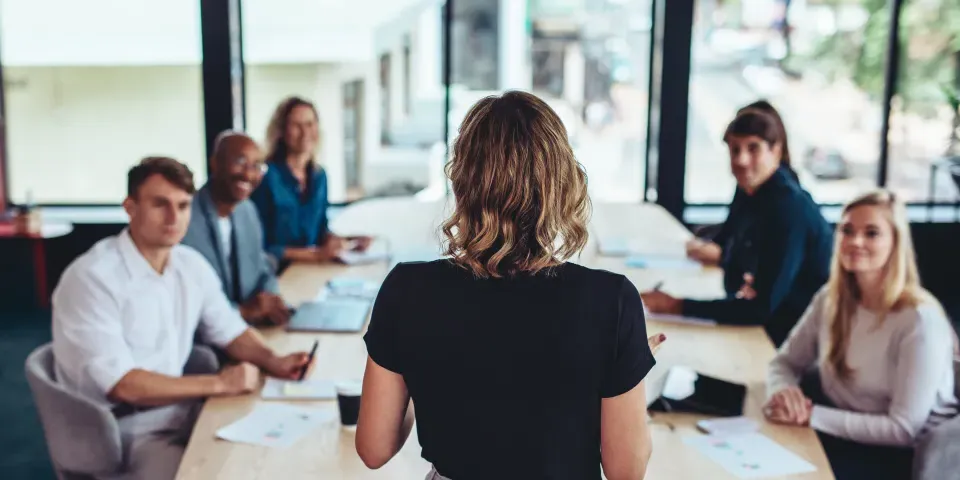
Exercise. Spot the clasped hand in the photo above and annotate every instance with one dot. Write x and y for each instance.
(789, 407)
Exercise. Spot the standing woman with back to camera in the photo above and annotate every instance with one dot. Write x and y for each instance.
(520, 364)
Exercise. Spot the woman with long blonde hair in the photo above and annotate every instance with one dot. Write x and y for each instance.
(521, 365)
(881, 344)
(292, 198)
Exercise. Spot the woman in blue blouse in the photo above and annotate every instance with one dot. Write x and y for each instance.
(775, 246)
(292, 197)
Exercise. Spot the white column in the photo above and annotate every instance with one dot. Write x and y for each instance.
(427, 53)
(328, 96)
(396, 81)
(574, 72)
(514, 46)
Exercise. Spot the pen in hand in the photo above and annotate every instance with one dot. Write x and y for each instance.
(658, 286)
(313, 352)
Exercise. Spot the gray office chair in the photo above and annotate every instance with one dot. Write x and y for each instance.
(938, 452)
(84, 438)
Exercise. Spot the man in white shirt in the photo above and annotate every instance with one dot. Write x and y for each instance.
(125, 315)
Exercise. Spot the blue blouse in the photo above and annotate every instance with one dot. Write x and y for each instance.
(291, 218)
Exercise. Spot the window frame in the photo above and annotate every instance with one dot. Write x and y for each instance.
(670, 55)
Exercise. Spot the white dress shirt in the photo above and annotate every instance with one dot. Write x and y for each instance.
(225, 224)
(112, 313)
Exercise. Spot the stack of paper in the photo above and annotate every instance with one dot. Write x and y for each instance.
(275, 425)
(276, 389)
(750, 455)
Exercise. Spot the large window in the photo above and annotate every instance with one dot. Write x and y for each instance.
(91, 87)
(588, 59)
(91, 90)
(925, 122)
(820, 63)
(373, 69)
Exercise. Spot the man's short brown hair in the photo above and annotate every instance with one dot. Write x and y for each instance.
(171, 170)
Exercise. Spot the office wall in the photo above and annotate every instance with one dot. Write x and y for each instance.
(74, 131)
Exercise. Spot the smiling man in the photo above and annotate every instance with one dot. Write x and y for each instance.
(225, 228)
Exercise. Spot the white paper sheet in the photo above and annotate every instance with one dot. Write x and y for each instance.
(750, 455)
(728, 425)
(350, 257)
(614, 247)
(275, 425)
(276, 389)
(662, 262)
(353, 287)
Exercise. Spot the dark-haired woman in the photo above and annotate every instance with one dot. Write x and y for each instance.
(775, 246)
(521, 365)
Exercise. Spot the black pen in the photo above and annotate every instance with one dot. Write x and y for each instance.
(313, 352)
(658, 286)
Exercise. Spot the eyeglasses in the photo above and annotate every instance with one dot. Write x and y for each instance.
(256, 165)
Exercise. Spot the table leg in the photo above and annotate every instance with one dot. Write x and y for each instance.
(40, 273)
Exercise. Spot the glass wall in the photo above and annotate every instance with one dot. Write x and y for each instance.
(372, 67)
(95, 87)
(102, 84)
(925, 122)
(589, 59)
(820, 63)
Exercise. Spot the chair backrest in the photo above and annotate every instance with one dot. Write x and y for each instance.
(82, 437)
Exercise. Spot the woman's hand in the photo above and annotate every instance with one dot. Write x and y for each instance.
(705, 252)
(655, 341)
(658, 302)
(330, 249)
(789, 407)
(747, 291)
(359, 243)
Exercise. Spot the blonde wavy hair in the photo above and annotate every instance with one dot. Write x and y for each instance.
(901, 284)
(276, 148)
(521, 196)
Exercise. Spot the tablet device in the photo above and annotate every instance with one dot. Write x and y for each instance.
(331, 315)
(685, 390)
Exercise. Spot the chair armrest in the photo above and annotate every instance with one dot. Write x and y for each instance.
(938, 452)
(202, 361)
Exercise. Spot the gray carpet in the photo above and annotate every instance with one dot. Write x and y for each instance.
(23, 451)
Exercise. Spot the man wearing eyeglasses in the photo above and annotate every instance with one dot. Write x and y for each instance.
(226, 229)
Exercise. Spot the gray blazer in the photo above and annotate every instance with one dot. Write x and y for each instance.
(256, 272)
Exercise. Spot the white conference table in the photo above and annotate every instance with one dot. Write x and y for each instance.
(738, 354)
